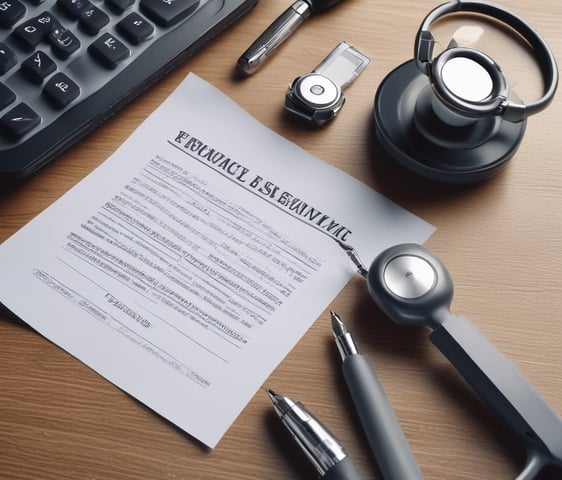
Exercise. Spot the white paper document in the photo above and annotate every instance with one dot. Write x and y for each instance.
(188, 264)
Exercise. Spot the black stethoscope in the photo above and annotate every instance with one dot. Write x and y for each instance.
(413, 288)
(443, 130)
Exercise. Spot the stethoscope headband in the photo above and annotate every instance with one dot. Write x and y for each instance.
(496, 101)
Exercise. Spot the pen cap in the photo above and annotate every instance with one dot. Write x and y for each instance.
(411, 286)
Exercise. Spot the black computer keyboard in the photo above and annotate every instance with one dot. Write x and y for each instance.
(67, 65)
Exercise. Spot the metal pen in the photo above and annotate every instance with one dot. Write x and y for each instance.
(274, 36)
(322, 449)
(386, 439)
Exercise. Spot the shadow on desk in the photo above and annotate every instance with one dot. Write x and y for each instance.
(6, 316)
(392, 179)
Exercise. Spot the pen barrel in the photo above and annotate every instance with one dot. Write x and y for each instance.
(386, 438)
(344, 470)
(284, 25)
(273, 36)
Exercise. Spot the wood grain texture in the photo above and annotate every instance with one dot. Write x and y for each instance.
(501, 240)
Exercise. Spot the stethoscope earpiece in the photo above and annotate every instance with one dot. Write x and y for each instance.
(453, 118)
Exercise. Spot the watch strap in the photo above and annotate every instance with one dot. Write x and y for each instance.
(343, 64)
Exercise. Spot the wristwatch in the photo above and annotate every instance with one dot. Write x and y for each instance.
(317, 96)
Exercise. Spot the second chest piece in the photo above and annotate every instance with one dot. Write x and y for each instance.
(318, 96)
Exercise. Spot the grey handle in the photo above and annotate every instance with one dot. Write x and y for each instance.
(388, 443)
(502, 386)
(344, 470)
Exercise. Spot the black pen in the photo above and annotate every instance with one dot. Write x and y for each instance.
(322, 449)
(388, 443)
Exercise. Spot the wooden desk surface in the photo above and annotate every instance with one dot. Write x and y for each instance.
(501, 241)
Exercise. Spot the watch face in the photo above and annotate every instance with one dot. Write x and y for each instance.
(316, 91)
(314, 98)
(317, 96)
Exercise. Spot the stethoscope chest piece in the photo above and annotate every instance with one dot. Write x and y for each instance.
(409, 276)
(410, 285)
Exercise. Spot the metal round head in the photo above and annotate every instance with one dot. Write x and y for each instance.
(411, 286)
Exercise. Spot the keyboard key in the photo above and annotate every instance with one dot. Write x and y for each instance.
(6, 96)
(135, 28)
(20, 120)
(61, 90)
(32, 31)
(73, 8)
(8, 58)
(47, 21)
(109, 50)
(119, 6)
(10, 12)
(168, 12)
(92, 20)
(29, 33)
(38, 66)
(63, 42)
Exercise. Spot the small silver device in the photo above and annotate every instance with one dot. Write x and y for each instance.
(318, 96)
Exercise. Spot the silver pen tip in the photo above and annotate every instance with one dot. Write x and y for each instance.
(272, 395)
(338, 327)
(344, 340)
(281, 404)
